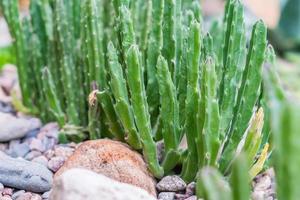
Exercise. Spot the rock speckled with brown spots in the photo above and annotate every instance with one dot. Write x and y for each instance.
(113, 159)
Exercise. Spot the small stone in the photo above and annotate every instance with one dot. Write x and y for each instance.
(55, 163)
(37, 145)
(33, 154)
(49, 143)
(32, 134)
(6, 197)
(19, 150)
(46, 195)
(171, 183)
(194, 197)
(41, 159)
(263, 184)
(17, 194)
(24, 175)
(190, 189)
(7, 191)
(36, 197)
(49, 154)
(63, 151)
(25, 196)
(166, 196)
(50, 130)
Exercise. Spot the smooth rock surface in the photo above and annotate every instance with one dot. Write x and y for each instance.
(25, 175)
(114, 160)
(12, 127)
(69, 186)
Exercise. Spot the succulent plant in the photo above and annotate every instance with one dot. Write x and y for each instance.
(147, 80)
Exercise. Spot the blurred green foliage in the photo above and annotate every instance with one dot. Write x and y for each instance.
(7, 55)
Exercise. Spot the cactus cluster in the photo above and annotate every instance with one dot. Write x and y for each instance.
(151, 74)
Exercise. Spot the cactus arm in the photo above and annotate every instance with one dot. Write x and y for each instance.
(146, 26)
(211, 185)
(122, 106)
(249, 91)
(234, 58)
(93, 42)
(66, 62)
(154, 47)
(178, 40)
(239, 178)
(113, 123)
(127, 31)
(168, 112)
(210, 132)
(192, 102)
(169, 37)
(140, 109)
(51, 96)
(182, 79)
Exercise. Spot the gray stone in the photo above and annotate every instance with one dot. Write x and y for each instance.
(49, 143)
(24, 175)
(12, 127)
(46, 195)
(41, 160)
(37, 145)
(17, 194)
(32, 134)
(32, 154)
(55, 163)
(50, 130)
(81, 184)
(166, 196)
(171, 184)
(19, 150)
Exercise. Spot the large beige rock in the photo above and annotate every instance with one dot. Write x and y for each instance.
(81, 184)
(113, 159)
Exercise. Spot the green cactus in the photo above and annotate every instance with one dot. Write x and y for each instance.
(157, 78)
(140, 108)
(211, 185)
(52, 99)
(190, 166)
(122, 106)
(248, 93)
(169, 114)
